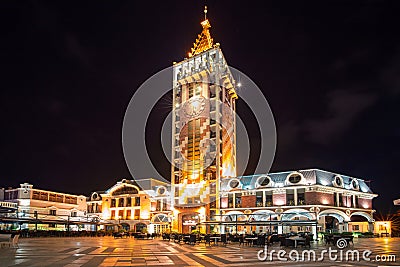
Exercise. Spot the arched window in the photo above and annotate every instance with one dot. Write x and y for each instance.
(294, 178)
(160, 218)
(234, 183)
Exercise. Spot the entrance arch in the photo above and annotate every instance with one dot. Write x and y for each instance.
(160, 223)
(333, 220)
(292, 213)
(338, 214)
(234, 216)
(363, 214)
(189, 221)
(263, 215)
(259, 217)
(125, 227)
(140, 227)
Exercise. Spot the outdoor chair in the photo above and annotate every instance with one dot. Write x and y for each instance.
(350, 240)
(282, 240)
(242, 240)
(261, 241)
(305, 243)
(186, 239)
(192, 239)
(268, 240)
(274, 238)
(179, 239)
(166, 236)
(207, 240)
(223, 240)
(328, 239)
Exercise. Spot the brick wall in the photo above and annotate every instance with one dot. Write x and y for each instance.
(365, 203)
(347, 201)
(319, 198)
(248, 201)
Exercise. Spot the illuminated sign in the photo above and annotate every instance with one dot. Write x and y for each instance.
(189, 222)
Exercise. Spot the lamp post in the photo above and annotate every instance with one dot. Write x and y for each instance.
(119, 223)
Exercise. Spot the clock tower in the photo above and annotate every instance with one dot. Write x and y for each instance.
(203, 131)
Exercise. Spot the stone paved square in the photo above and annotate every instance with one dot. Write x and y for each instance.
(107, 252)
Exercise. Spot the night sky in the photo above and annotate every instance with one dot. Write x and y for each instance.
(330, 71)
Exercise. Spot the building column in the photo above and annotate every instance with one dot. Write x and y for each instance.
(314, 232)
(295, 196)
(345, 226)
(264, 199)
(340, 227)
(280, 229)
(370, 227)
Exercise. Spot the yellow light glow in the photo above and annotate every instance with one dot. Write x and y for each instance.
(202, 210)
(144, 215)
(106, 214)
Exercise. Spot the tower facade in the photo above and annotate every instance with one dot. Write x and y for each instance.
(204, 127)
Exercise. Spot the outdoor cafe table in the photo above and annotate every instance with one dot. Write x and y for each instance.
(295, 239)
(252, 239)
(5, 237)
(215, 239)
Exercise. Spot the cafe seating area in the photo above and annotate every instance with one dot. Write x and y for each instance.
(246, 240)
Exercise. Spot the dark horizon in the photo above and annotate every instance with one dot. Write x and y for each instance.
(330, 72)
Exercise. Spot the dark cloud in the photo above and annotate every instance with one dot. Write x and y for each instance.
(390, 75)
(76, 50)
(343, 107)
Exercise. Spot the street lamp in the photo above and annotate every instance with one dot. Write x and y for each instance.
(119, 223)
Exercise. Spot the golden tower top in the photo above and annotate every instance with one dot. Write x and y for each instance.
(204, 40)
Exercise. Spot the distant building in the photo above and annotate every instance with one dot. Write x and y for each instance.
(43, 209)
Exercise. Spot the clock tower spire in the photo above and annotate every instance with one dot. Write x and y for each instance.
(203, 131)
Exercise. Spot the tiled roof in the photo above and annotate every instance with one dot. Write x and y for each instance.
(311, 177)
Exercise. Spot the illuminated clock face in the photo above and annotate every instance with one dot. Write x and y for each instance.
(194, 106)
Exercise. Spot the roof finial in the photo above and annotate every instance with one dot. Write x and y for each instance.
(205, 12)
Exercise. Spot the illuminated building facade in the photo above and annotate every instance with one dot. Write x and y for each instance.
(51, 210)
(127, 206)
(305, 200)
(203, 132)
(205, 192)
